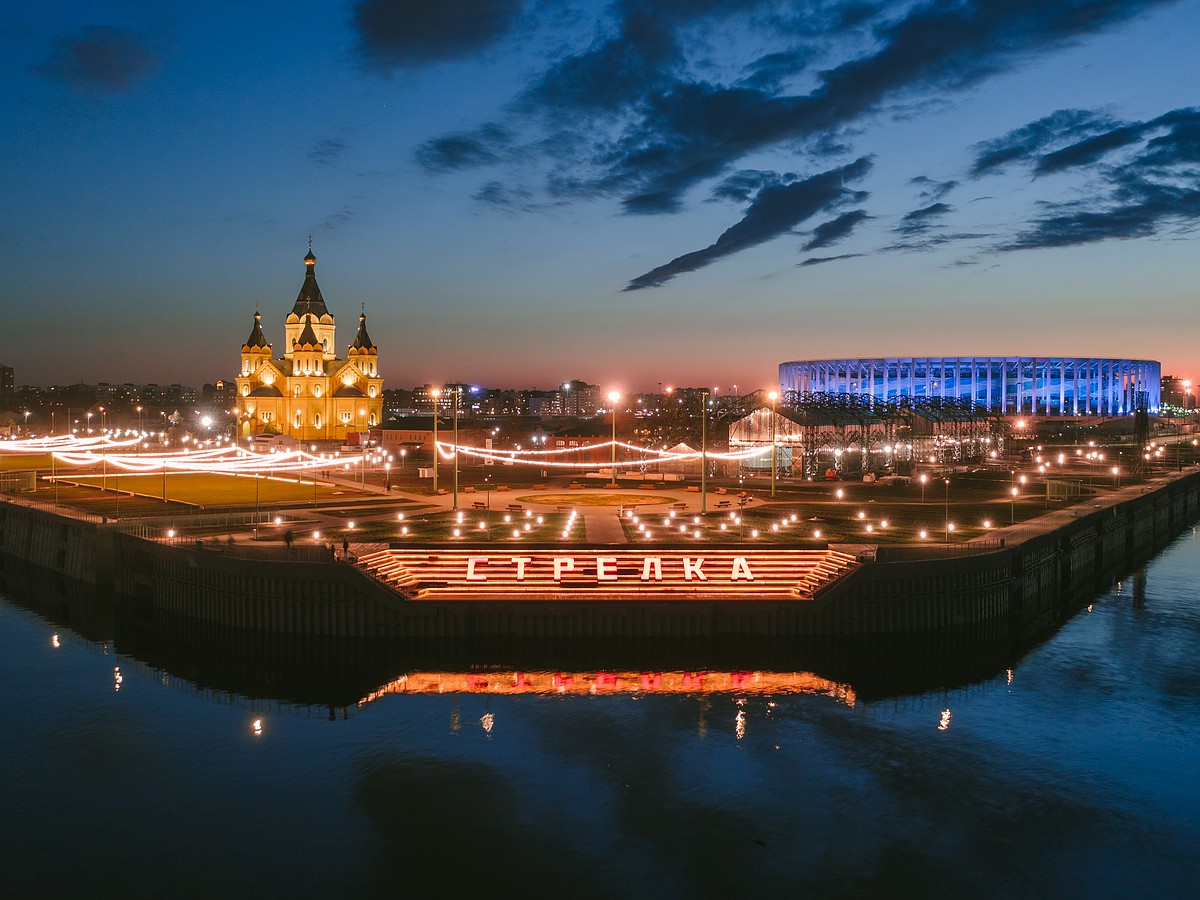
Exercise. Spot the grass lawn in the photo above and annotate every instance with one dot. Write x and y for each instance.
(21, 462)
(218, 490)
(872, 522)
(609, 498)
(497, 526)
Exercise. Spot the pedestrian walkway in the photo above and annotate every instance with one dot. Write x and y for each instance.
(603, 527)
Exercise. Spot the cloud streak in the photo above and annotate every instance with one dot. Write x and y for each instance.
(776, 210)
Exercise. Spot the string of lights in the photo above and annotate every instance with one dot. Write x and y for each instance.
(646, 455)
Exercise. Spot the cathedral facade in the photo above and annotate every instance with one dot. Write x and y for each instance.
(309, 393)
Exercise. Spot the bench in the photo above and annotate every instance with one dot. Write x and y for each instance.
(539, 487)
(645, 487)
(479, 504)
(515, 507)
(501, 487)
(722, 491)
(723, 504)
(441, 492)
(678, 506)
(468, 490)
(693, 488)
(574, 486)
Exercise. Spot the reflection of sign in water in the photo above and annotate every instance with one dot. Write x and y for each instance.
(597, 683)
(436, 573)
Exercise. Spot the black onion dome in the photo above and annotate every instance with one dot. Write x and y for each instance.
(308, 337)
(362, 340)
(257, 340)
(309, 300)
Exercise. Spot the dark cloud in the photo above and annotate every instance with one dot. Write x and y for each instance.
(777, 209)
(921, 220)
(818, 260)
(104, 60)
(410, 33)
(326, 151)
(741, 186)
(499, 196)
(659, 130)
(1144, 177)
(828, 233)
(1088, 150)
(463, 150)
(1030, 141)
(923, 241)
(931, 189)
(1135, 208)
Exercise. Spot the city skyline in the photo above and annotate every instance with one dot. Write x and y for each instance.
(631, 193)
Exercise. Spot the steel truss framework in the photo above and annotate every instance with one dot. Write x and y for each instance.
(854, 434)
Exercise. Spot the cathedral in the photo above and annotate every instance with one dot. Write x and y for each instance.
(309, 393)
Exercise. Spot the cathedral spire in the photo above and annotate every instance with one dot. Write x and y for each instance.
(309, 300)
(362, 341)
(308, 338)
(257, 340)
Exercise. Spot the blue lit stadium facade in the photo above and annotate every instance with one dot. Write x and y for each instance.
(1009, 385)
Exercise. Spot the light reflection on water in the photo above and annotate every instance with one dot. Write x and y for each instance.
(1068, 769)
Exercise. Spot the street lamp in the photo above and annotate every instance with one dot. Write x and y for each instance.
(947, 510)
(704, 452)
(1012, 507)
(613, 397)
(773, 396)
(923, 479)
(457, 390)
(435, 393)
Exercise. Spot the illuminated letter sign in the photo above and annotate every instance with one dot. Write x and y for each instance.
(472, 562)
(563, 564)
(691, 569)
(652, 568)
(741, 570)
(519, 562)
(606, 568)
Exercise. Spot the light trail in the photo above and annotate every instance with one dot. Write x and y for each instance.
(648, 455)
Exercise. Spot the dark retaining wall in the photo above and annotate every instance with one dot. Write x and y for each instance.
(1020, 583)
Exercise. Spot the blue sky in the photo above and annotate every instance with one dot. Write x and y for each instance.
(632, 193)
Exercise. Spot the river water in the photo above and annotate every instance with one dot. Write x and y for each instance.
(139, 761)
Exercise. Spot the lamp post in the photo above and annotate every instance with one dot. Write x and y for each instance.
(923, 479)
(703, 452)
(1012, 506)
(613, 397)
(436, 394)
(457, 390)
(947, 510)
(773, 396)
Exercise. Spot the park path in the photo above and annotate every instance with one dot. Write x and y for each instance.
(603, 526)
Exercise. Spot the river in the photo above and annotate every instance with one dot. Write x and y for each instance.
(143, 761)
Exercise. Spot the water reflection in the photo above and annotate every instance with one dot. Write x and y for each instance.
(758, 769)
(341, 676)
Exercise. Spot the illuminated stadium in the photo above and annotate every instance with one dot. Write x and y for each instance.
(1009, 385)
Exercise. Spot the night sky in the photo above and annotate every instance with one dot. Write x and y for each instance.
(670, 191)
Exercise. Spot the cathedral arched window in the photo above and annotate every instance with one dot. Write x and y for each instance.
(317, 420)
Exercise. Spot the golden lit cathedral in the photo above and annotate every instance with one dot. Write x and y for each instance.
(309, 393)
